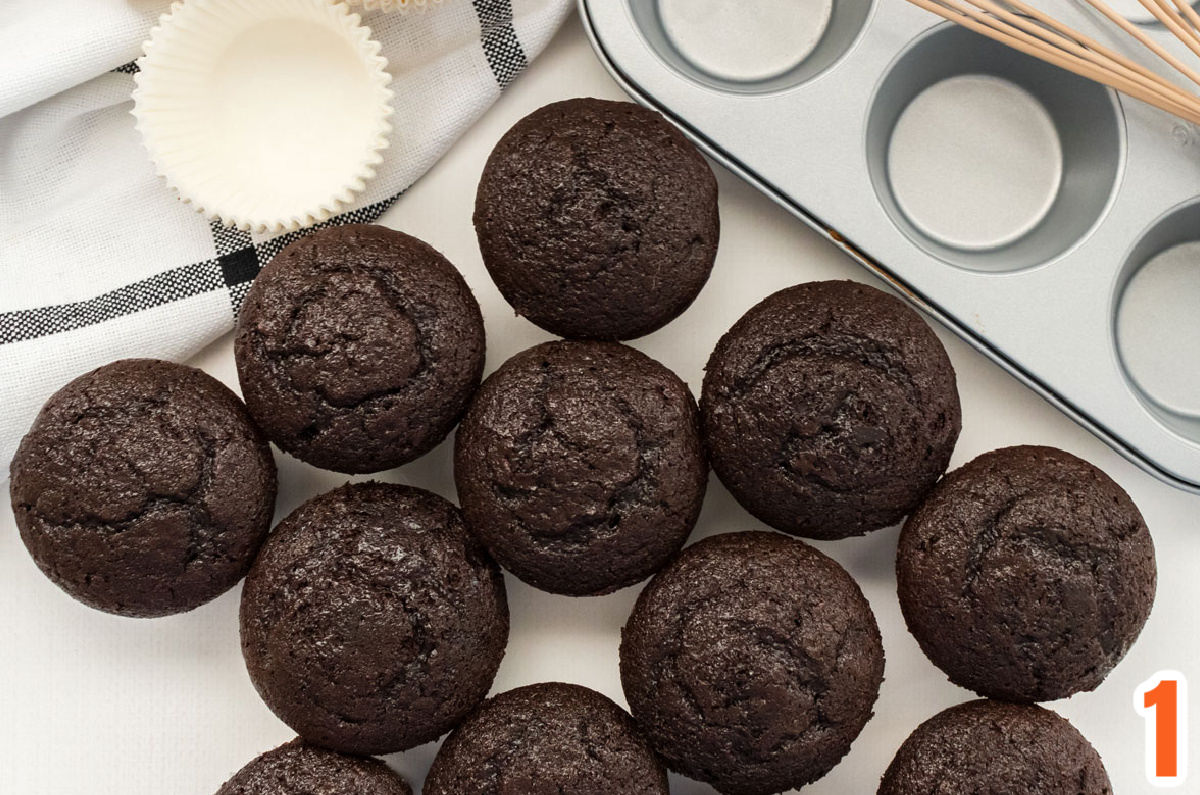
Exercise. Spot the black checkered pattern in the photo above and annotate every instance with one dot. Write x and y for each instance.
(238, 259)
(237, 262)
(500, 44)
(161, 288)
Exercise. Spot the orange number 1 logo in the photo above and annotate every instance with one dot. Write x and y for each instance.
(1162, 702)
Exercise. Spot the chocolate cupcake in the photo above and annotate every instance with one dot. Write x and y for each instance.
(358, 348)
(597, 220)
(751, 662)
(1026, 575)
(297, 768)
(989, 746)
(372, 621)
(547, 738)
(579, 465)
(143, 488)
(830, 409)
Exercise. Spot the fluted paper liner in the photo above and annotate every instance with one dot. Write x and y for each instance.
(269, 115)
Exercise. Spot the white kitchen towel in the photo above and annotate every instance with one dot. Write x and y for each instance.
(98, 260)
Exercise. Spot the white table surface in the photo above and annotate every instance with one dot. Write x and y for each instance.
(91, 703)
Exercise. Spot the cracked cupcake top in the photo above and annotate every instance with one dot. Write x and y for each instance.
(547, 738)
(358, 348)
(597, 219)
(1026, 574)
(751, 662)
(579, 465)
(143, 488)
(372, 621)
(297, 768)
(830, 409)
(990, 746)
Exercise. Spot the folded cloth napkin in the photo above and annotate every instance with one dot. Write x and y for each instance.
(98, 260)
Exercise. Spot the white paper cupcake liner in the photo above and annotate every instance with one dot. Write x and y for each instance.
(269, 115)
(393, 5)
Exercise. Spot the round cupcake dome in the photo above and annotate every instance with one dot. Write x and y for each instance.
(1026, 574)
(597, 219)
(548, 737)
(580, 466)
(830, 409)
(751, 662)
(372, 621)
(358, 348)
(297, 768)
(991, 746)
(143, 488)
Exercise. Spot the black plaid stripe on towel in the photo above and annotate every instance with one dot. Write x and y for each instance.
(99, 261)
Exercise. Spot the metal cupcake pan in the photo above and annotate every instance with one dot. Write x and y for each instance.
(1080, 189)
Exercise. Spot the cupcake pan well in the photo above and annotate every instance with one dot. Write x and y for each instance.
(1034, 267)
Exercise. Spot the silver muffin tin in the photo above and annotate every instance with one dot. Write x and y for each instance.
(1044, 306)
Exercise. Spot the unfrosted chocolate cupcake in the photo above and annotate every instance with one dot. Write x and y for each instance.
(830, 409)
(358, 348)
(297, 768)
(597, 219)
(751, 662)
(1026, 575)
(580, 466)
(547, 738)
(372, 621)
(143, 488)
(993, 747)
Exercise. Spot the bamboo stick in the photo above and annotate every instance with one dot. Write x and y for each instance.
(1053, 42)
